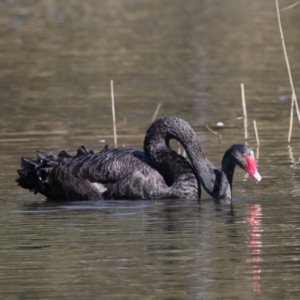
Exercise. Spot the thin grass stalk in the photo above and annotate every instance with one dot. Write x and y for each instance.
(214, 132)
(244, 112)
(257, 153)
(291, 6)
(291, 118)
(178, 149)
(156, 112)
(113, 112)
(294, 98)
(256, 133)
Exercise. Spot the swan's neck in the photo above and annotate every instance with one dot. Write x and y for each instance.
(218, 184)
(228, 167)
(174, 168)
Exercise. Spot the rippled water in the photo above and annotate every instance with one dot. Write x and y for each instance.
(56, 62)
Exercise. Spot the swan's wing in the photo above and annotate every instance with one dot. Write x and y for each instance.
(50, 176)
(124, 172)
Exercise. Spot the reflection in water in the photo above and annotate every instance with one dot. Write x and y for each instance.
(291, 155)
(254, 217)
(225, 206)
(295, 165)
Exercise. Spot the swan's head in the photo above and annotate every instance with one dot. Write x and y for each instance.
(242, 156)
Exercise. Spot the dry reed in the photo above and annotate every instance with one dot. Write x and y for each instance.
(290, 6)
(178, 149)
(156, 112)
(256, 133)
(294, 98)
(113, 112)
(214, 132)
(244, 112)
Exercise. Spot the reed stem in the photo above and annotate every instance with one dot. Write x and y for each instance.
(156, 112)
(256, 134)
(113, 112)
(294, 98)
(214, 132)
(244, 112)
(290, 6)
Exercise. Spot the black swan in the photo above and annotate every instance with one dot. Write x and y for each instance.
(127, 173)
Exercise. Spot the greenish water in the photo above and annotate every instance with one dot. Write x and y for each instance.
(56, 62)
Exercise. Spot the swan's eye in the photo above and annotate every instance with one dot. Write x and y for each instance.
(251, 167)
(251, 154)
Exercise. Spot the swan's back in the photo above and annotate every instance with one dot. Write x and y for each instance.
(122, 173)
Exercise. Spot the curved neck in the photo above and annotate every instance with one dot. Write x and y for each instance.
(167, 161)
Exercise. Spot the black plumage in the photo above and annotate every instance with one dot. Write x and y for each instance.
(127, 173)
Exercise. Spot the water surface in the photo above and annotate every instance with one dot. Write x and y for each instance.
(56, 62)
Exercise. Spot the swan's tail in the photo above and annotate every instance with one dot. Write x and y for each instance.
(34, 174)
